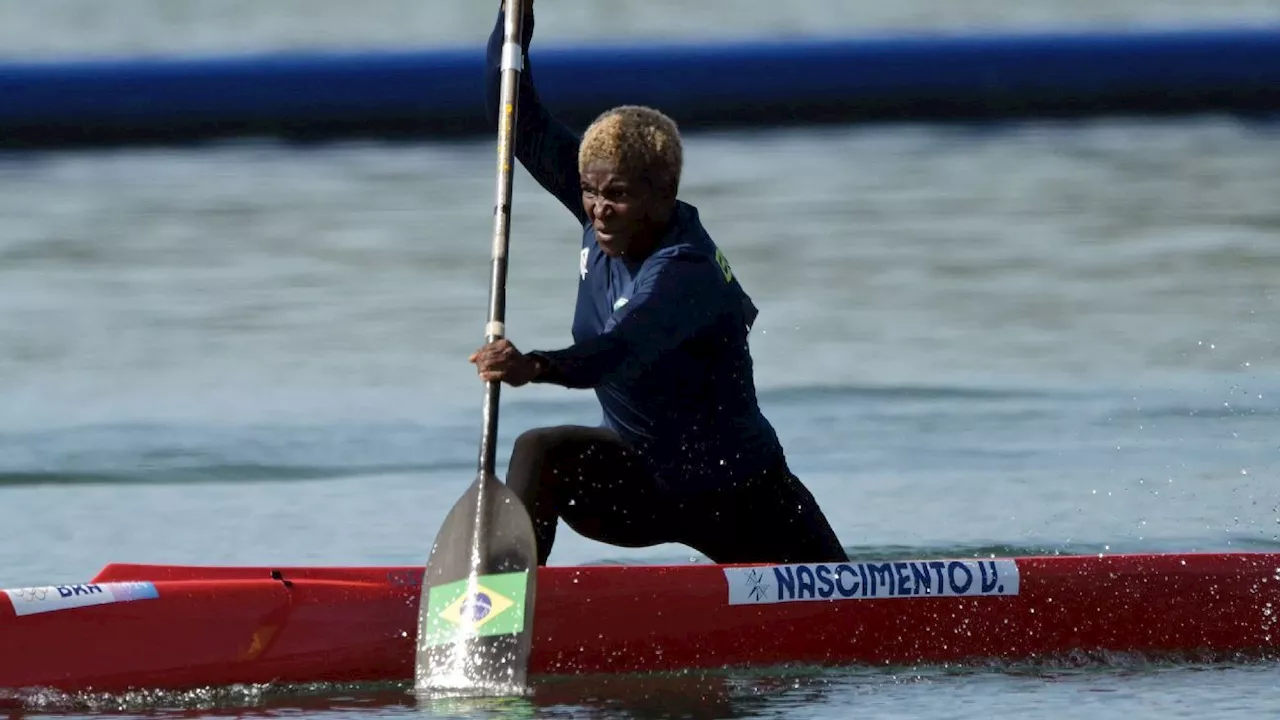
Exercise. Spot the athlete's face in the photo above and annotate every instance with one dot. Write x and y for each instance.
(627, 213)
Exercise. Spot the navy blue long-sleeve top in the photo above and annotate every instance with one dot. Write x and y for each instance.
(662, 341)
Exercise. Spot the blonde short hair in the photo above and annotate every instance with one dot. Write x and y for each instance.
(639, 141)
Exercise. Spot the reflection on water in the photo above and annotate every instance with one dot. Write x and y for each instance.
(715, 695)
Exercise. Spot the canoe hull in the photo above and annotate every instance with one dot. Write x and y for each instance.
(177, 627)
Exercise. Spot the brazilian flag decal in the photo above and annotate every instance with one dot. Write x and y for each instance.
(494, 606)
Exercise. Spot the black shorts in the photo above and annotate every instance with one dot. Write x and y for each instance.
(597, 484)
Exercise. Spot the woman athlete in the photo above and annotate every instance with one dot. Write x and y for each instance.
(684, 454)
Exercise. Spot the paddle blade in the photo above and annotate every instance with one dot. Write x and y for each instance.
(475, 616)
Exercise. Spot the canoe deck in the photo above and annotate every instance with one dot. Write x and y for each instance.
(178, 627)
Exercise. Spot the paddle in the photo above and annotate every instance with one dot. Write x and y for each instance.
(475, 615)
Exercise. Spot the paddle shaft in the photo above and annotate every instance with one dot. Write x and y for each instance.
(495, 329)
(475, 611)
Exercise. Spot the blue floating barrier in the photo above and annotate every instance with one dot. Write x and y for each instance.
(440, 92)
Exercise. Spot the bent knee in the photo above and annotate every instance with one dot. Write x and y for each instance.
(559, 441)
(534, 439)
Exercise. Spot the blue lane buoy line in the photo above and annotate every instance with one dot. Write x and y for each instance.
(437, 93)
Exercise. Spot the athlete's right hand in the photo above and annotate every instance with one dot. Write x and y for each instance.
(500, 361)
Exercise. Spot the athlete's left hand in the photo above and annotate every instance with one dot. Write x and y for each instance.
(501, 361)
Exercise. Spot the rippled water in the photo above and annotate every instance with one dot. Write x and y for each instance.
(57, 28)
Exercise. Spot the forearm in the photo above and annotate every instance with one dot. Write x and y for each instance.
(582, 365)
(682, 302)
(544, 146)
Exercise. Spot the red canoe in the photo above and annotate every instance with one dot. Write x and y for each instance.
(165, 627)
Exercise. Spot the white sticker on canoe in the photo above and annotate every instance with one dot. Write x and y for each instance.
(767, 584)
(32, 600)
